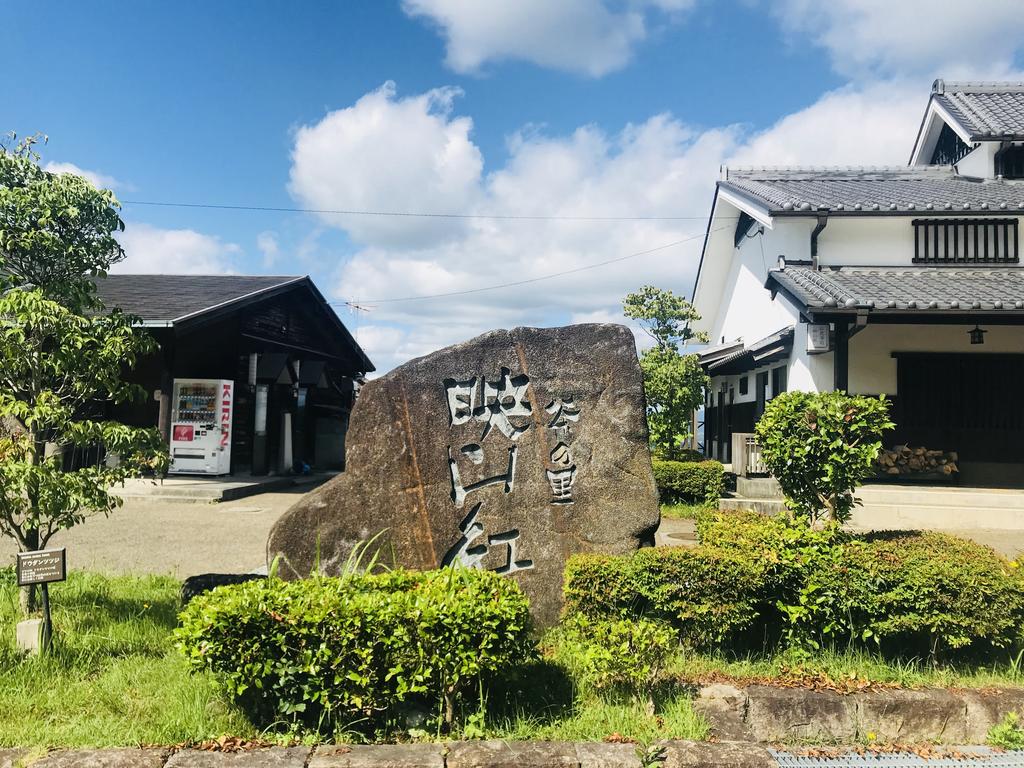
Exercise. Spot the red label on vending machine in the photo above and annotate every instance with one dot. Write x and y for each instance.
(225, 415)
(184, 433)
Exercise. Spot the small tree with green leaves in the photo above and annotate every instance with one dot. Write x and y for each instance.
(820, 447)
(55, 228)
(61, 357)
(673, 382)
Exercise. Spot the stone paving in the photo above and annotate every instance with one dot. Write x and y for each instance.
(466, 754)
(508, 754)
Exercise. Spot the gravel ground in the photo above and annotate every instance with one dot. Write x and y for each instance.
(187, 539)
(173, 538)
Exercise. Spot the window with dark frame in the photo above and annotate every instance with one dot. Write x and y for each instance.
(744, 385)
(1010, 162)
(978, 240)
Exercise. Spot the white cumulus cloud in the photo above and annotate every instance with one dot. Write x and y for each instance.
(871, 125)
(661, 167)
(269, 248)
(152, 250)
(386, 153)
(591, 37)
(910, 36)
(97, 179)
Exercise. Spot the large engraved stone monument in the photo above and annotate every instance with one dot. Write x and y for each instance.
(509, 452)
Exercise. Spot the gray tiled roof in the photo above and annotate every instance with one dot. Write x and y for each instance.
(163, 298)
(761, 352)
(987, 110)
(899, 289)
(873, 190)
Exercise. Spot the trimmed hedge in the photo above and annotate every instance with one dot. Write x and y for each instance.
(909, 593)
(706, 594)
(689, 482)
(332, 651)
(928, 591)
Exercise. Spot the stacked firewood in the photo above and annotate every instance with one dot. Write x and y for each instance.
(904, 460)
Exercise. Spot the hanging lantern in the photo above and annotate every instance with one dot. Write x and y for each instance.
(977, 335)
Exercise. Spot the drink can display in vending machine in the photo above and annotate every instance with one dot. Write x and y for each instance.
(201, 413)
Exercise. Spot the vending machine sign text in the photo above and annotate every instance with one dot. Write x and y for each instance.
(225, 414)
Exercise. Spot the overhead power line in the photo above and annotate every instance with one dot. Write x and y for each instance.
(408, 214)
(366, 304)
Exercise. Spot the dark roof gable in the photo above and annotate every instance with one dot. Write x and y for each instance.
(185, 300)
(162, 299)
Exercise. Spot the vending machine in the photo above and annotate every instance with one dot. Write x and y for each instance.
(201, 426)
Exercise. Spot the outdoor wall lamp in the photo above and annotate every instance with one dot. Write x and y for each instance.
(977, 335)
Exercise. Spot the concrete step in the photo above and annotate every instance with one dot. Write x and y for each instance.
(939, 517)
(994, 498)
(211, 490)
(758, 487)
(765, 506)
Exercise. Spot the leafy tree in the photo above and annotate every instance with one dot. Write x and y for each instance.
(665, 317)
(674, 382)
(55, 228)
(61, 359)
(820, 447)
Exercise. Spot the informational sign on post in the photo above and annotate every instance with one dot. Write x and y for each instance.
(43, 567)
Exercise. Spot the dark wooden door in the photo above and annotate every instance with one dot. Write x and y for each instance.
(969, 403)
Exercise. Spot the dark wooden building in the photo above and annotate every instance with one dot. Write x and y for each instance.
(276, 338)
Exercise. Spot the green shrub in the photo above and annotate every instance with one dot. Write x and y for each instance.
(679, 454)
(792, 553)
(820, 447)
(915, 592)
(616, 655)
(706, 594)
(689, 482)
(1008, 734)
(926, 591)
(331, 651)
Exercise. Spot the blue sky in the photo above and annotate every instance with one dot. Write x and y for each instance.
(574, 108)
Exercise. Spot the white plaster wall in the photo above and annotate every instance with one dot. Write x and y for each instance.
(980, 162)
(809, 373)
(857, 241)
(873, 368)
(734, 382)
(747, 310)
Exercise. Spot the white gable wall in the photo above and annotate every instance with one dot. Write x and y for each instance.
(746, 310)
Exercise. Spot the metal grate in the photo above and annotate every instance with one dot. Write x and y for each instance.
(981, 756)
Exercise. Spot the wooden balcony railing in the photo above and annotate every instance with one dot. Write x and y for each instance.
(746, 455)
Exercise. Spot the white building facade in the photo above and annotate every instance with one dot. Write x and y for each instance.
(898, 281)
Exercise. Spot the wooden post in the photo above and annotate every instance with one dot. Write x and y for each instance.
(841, 357)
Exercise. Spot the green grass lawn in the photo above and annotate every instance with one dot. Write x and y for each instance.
(114, 678)
(849, 670)
(682, 511)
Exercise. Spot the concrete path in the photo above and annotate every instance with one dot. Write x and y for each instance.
(676, 533)
(177, 538)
